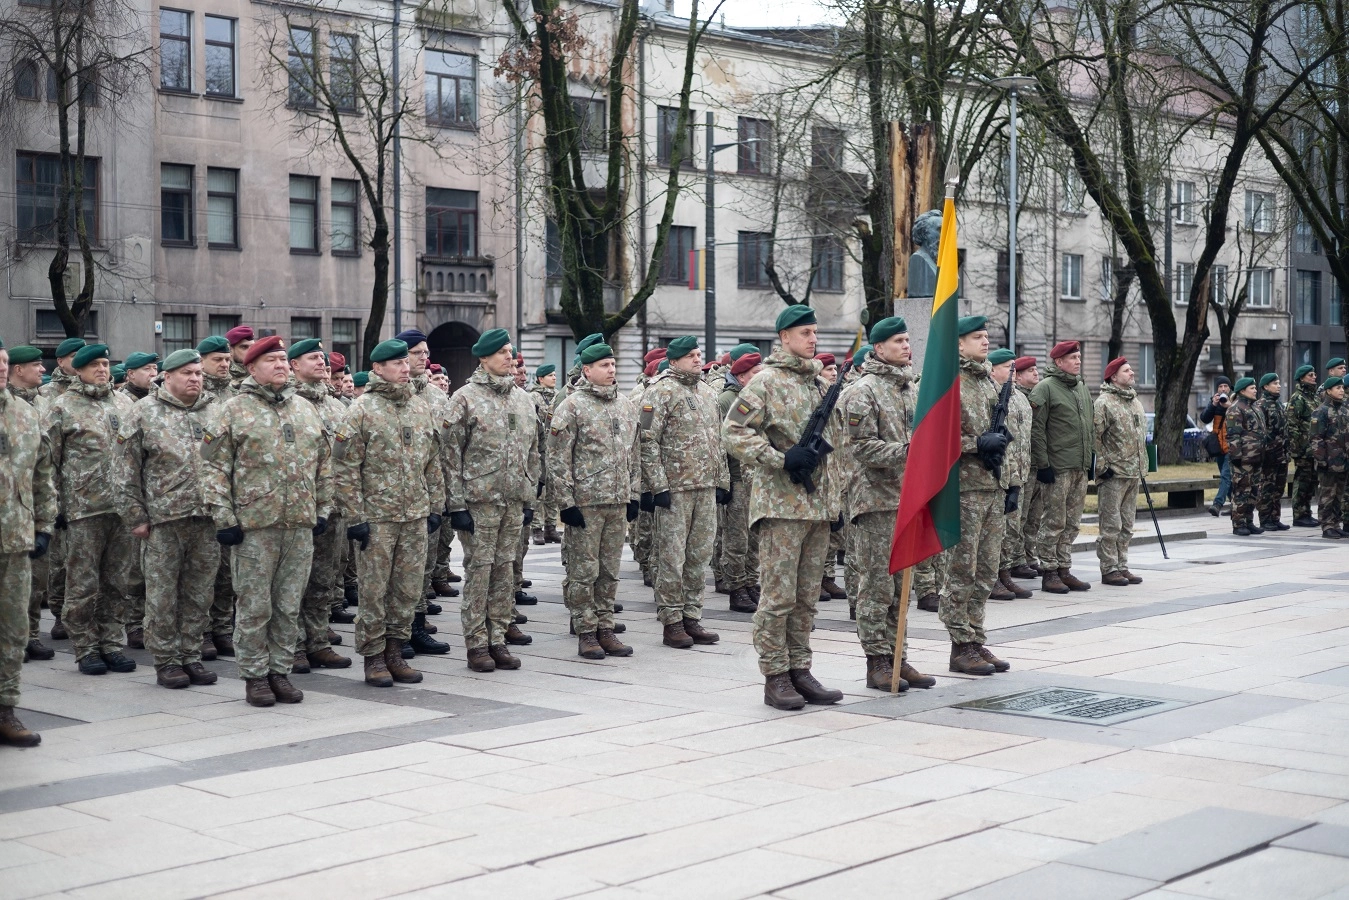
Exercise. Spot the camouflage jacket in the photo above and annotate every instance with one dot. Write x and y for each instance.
(879, 409)
(267, 461)
(766, 421)
(594, 453)
(82, 426)
(330, 409)
(237, 375)
(386, 457)
(681, 435)
(978, 397)
(160, 460)
(1016, 468)
(1121, 432)
(1276, 429)
(491, 442)
(219, 387)
(59, 384)
(1245, 432)
(33, 397)
(136, 393)
(26, 478)
(1330, 435)
(1300, 410)
(729, 392)
(438, 403)
(544, 405)
(1062, 428)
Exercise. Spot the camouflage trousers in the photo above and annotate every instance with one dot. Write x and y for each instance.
(135, 588)
(1062, 517)
(877, 590)
(682, 548)
(222, 599)
(518, 569)
(929, 576)
(1013, 552)
(1269, 491)
(1245, 487)
(718, 569)
(851, 574)
(324, 572)
(98, 549)
(15, 574)
(390, 587)
(488, 603)
(179, 560)
(836, 539)
(791, 553)
(1117, 500)
(974, 566)
(739, 543)
(593, 554)
(37, 594)
(1030, 512)
(269, 570)
(56, 572)
(1330, 500)
(1304, 488)
(639, 538)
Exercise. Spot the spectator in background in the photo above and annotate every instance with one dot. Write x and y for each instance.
(1216, 440)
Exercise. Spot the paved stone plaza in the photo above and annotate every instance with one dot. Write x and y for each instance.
(664, 775)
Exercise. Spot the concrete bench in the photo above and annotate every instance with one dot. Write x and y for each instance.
(1180, 493)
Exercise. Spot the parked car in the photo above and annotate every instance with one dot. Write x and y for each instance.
(1192, 442)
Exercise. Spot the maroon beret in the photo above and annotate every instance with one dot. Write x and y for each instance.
(336, 361)
(650, 370)
(239, 333)
(433, 368)
(1114, 366)
(1063, 348)
(826, 359)
(269, 344)
(1023, 363)
(745, 363)
(654, 355)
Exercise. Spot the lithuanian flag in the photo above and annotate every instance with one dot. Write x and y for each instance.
(929, 499)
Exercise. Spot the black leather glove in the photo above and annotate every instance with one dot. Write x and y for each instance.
(633, 508)
(1104, 475)
(361, 534)
(320, 526)
(529, 516)
(662, 499)
(1044, 476)
(228, 537)
(801, 460)
(724, 496)
(571, 516)
(42, 541)
(1013, 500)
(61, 521)
(990, 444)
(462, 521)
(433, 523)
(837, 524)
(648, 502)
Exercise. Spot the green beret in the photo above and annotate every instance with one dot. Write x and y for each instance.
(1267, 378)
(213, 344)
(139, 359)
(664, 364)
(360, 379)
(681, 346)
(1000, 356)
(888, 328)
(1335, 361)
(68, 346)
(300, 348)
(387, 350)
(794, 315)
(1302, 372)
(179, 358)
(491, 342)
(596, 352)
(588, 341)
(88, 353)
(861, 355)
(970, 324)
(1242, 384)
(1332, 381)
(118, 373)
(24, 353)
(740, 350)
(545, 370)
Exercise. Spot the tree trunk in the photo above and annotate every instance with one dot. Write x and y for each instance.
(1124, 277)
(379, 294)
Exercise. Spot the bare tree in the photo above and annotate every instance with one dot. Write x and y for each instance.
(1231, 297)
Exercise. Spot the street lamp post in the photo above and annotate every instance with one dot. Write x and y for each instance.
(710, 239)
(1014, 85)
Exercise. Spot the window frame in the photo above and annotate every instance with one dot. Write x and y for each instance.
(185, 40)
(310, 203)
(354, 207)
(219, 324)
(347, 62)
(754, 148)
(178, 318)
(1070, 262)
(1147, 364)
(674, 265)
(234, 209)
(1003, 275)
(233, 49)
(438, 213)
(757, 243)
(1263, 277)
(188, 211)
(296, 92)
(1183, 205)
(1302, 278)
(350, 349)
(1217, 286)
(827, 277)
(439, 80)
(1182, 282)
(1260, 209)
(316, 331)
(823, 140)
(667, 124)
(32, 69)
(92, 195)
(591, 139)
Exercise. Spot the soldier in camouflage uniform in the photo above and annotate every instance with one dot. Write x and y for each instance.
(522, 597)
(739, 545)
(878, 409)
(25, 378)
(1330, 449)
(544, 394)
(762, 430)
(1061, 446)
(829, 588)
(1245, 451)
(1015, 473)
(492, 475)
(684, 468)
(1301, 407)
(639, 535)
(61, 379)
(391, 487)
(160, 500)
(1273, 478)
(1024, 560)
(595, 474)
(267, 479)
(218, 386)
(141, 369)
(1121, 462)
(63, 376)
(240, 339)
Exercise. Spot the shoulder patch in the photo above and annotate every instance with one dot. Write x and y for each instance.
(340, 444)
(739, 413)
(648, 413)
(210, 443)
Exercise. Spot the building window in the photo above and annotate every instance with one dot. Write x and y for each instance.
(1184, 280)
(53, 88)
(451, 89)
(552, 250)
(1147, 364)
(1336, 304)
(1004, 295)
(222, 208)
(756, 145)
(1307, 353)
(674, 265)
(1071, 202)
(26, 80)
(37, 184)
(754, 246)
(1304, 239)
(217, 326)
(1217, 286)
(826, 258)
(220, 64)
(303, 327)
(590, 124)
(1072, 277)
(304, 214)
(175, 205)
(1260, 288)
(344, 219)
(87, 86)
(300, 65)
(451, 223)
(175, 50)
(1107, 279)
(826, 148)
(1260, 211)
(345, 333)
(179, 333)
(1184, 202)
(342, 63)
(48, 322)
(1307, 298)
(667, 125)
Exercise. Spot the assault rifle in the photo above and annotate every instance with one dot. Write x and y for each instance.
(999, 423)
(813, 438)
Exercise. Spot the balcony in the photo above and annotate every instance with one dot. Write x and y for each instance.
(464, 281)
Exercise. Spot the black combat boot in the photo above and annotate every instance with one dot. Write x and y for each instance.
(423, 642)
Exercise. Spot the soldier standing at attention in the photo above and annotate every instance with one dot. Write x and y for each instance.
(544, 393)
(522, 597)
(1025, 560)
(639, 536)
(25, 379)
(879, 410)
(26, 522)
(268, 482)
(216, 385)
(1335, 368)
(391, 487)
(492, 477)
(829, 589)
(161, 501)
(684, 468)
(595, 474)
(63, 376)
(1121, 462)
(1301, 407)
(1061, 445)
(762, 429)
(215, 367)
(141, 369)
(1245, 451)
(1330, 449)
(1273, 477)
(739, 545)
(240, 339)
(1015, 473)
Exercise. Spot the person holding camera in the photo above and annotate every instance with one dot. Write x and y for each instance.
(1216, 441)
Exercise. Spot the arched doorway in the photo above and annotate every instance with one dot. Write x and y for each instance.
(450, 345)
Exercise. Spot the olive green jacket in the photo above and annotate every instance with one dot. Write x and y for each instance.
(1063, 426)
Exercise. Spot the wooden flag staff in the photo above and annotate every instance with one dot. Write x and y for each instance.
(905, 583)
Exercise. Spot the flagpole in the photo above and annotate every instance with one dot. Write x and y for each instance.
(905, 584)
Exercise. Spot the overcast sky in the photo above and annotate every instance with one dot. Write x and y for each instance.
(765, 12)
